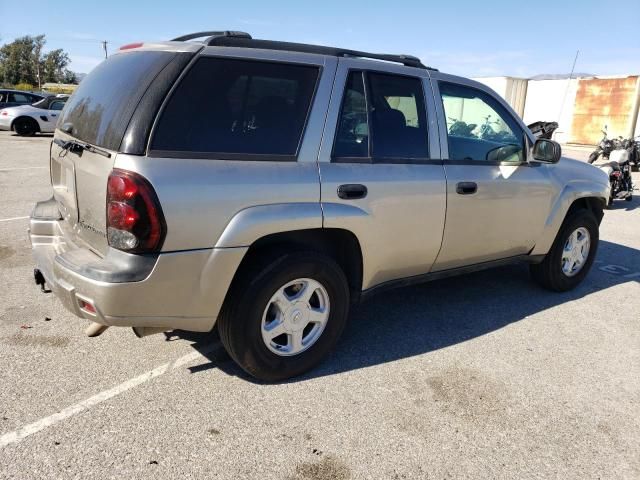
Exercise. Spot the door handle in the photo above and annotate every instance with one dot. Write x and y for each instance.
(466, 188)
(352, 191)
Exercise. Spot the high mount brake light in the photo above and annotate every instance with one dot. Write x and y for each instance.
(135, 222)
(129, 46)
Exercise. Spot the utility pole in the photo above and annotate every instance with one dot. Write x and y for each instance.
(104, 46)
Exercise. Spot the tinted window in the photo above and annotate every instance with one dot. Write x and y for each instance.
(237, 107)
(101, 107)
(57, 105)
(352, 136)
(398, 117)
(19, 98)
(394, 107)
(478, 127)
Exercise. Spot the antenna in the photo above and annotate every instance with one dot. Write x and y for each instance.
(566, 90)
(104, 46)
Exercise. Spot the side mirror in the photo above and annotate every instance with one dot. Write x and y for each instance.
(546, 151)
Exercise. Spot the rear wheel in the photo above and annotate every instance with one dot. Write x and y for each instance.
(283, 316)
(25, 126)
(571, 254)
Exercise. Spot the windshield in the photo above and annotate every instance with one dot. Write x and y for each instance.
(99, 111)
(44, 103)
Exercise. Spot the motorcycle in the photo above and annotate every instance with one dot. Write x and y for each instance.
(487, 132)
(462, 129)
(604, 148)
(618, 168)
(632, 145)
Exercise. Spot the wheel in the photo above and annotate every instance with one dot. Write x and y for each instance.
(571, 254)
(283, 316)
(25, 126)
(594, 156)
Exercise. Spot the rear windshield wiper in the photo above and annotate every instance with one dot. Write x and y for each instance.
(76, 147)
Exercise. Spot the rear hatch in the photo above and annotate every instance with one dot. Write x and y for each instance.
(90, 133)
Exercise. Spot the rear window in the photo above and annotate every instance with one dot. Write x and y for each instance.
(100, 109)
(232, 109)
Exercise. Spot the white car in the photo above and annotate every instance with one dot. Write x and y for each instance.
(27, 120)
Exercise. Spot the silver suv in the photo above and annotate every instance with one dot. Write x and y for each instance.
(262, 187)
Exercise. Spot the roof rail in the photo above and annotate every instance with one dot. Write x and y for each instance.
(212, 35)
(244, 40)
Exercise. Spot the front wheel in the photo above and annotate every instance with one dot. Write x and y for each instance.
(283, 316)
(594, 156)
(571, 254)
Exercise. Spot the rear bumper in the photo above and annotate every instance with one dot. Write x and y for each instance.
(5, 122)
(181, 290)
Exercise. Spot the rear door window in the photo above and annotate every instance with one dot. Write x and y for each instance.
(393, 108)
(101, 107)
(237, 109)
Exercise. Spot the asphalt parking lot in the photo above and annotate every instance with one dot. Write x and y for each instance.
(482, 376)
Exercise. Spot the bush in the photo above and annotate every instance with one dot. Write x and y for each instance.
(23, 86)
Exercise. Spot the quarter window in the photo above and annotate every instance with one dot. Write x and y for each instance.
(224, 108)
(478, 127)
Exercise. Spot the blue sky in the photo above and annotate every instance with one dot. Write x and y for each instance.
(471, 38)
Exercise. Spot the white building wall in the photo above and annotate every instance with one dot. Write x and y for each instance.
(513, 90)
(552, 101)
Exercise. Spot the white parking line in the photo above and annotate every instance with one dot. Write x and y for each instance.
(19, 168)
(11, 219)
(23, 432)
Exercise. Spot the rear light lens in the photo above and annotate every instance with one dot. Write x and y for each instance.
(135, 222)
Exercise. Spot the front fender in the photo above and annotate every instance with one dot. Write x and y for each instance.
(571, 192)
(253, 223)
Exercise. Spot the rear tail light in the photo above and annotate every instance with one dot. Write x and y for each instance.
(135, 222)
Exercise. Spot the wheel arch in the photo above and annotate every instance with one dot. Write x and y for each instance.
(25, 117)
(590, 197)
(339, 244)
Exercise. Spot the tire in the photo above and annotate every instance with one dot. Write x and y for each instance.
(594, 156)
(243, 319)
(549, 273)
(25, 126)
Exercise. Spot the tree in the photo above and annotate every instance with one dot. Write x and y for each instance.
(38, 43)
(54, 65)
(17, 61)
(70, 77)
(22, 61)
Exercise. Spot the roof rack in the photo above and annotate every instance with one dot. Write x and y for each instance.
(244, 40)
(212, 35)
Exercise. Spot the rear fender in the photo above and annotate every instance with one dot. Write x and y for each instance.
(253, 223)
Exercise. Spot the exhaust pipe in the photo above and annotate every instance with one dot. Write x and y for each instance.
(95, 329)
(146, 331)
